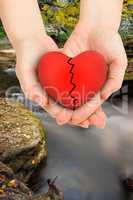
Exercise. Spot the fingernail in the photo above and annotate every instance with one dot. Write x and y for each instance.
(105, 96)
(102, 126)
(59, 122)
(84, 126)
(85, 123)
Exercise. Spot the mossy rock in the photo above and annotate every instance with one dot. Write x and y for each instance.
(22, 139)
(10, 187)
(42, 198)
(53, 193)
(45, 197)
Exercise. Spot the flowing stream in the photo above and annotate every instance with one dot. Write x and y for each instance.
(89, 163)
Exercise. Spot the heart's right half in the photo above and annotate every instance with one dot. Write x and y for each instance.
(72, 81)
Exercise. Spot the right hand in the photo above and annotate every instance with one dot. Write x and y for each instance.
(28, 53)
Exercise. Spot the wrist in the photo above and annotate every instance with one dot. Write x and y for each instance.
(34, 46)
(21, 42)
(39, 41)
(90, 29)
(95, 15)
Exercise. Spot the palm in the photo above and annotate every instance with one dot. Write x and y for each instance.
(109, 44)
(27, 58)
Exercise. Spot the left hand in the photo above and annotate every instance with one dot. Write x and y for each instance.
(109, 44)
(28, 52)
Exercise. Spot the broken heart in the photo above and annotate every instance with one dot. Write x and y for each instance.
(72, 81)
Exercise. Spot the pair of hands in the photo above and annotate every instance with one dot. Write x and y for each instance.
(106, 42)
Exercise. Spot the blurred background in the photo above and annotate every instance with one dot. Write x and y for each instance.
(60, 17)
(88, 167)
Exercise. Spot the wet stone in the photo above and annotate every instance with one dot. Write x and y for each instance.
(7, 58)
(10, 187)
(22, 139)
(128, 184)
(53, 192)
(8, 79)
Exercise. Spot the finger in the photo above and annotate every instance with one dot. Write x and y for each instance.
(84, 112)
(37, 94)
(84, 125)
(33, 91)
(70, 51)
(61, 114)
(98, 119)
(31, 87)
(74, 45)
(115, 79)
(53, 108)
(86, 122)
(64, 117)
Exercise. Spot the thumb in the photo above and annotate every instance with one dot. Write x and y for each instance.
(71, 47)
(115, 79)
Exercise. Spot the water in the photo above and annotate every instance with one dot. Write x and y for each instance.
(90, 163)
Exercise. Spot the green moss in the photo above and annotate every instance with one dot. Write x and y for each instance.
(42, 131)
(22, 139)
(129, 76)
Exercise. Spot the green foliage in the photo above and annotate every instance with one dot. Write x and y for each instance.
(126, 27)
(2, 32)
(60, 17)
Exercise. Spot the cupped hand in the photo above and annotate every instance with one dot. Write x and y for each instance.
(109, 44)
(28, 53)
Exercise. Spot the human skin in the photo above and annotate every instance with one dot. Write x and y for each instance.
(25, 29)
(97, 29)
(24, 26)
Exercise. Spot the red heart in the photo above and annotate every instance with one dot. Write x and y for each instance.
(72, 81)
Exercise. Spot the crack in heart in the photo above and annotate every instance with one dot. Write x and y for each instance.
(72, 83)
(78, 84)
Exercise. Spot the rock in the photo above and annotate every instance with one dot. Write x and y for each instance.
(10, 187)
(7, 58)
(7, 79)
(22, 139)
(53, 192)
(128, 184)
(4, 42)
(41, 198)
(129, 51)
